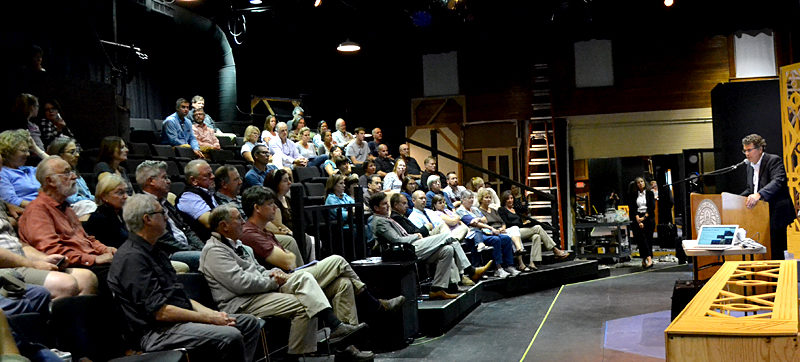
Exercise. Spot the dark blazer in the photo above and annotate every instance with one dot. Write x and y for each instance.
(105, 225)
(408, 225)
(632, 207)
(773, 189)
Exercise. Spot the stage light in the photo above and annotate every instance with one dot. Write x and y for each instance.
(668, 2)
(255, 2)
(317, 3)
(348, 46)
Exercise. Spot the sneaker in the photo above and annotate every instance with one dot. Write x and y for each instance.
(512, 271)
(482, 247)
(500, 273)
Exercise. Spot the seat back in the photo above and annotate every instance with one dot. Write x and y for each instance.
(163, 151)
(302, 174)
(185, 152)
(88, 326)
(138, 150)
(225, 141)
(196, 287)
(142, 124)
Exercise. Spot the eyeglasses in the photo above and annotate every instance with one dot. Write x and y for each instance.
(73, 151)
(162, 212)
(747, 150)
(68, 173)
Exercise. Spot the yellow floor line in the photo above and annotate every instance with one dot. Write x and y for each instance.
(542, 324)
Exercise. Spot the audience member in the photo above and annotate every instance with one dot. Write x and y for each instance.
(369, 171)
(453, 189)
(478, 184)
(334, 188)
(159, 314)
(383, 162)
(342, 166)
(34, 267)
(358, 151)
(377, 140)
(318, 138)
(294, 132)
(341, 137)
(250, 141)
(441, 249)
(304, 146)
(26, 108)
(351, 184)
(177, 129)
(521, 203)
(483, 233)
(18, 183)
(229, 185)
(374, 186)
(400, 209)
(261, 167)
(284, 150)
(34, 299)
(239, 284)
(82, 202)
(407, 189)
(197, 199)
(430, 169)
(448, 216)
(394, 180)
(515, 233)
(529, 227)
(179, 242)
(281, 224)
(260, 211)
(106, 223)
(422, 216)
(435, 188)
(52, 125)
(206, 137)
(109, 161)
(199, 102)
(329, 165)
(269, 129)
(411, 163)
(53, 228)
(297, 112)
(326, 143)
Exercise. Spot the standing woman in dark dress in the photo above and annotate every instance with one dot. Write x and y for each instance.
(106, 224)
(641, 206)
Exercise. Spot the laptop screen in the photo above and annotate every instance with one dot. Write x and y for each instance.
(716, 235)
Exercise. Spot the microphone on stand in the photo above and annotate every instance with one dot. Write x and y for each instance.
(744, 162)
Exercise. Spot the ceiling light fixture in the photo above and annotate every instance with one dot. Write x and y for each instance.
(317, 3)
(348, 46)
(668, 3)
(256, 2)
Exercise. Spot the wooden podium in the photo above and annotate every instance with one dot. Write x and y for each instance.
(726, 208)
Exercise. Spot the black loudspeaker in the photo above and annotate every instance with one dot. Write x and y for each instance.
(682, 294)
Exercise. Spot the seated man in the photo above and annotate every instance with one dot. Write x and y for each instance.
(441, 249)
(341, 137)
(430, 170)
(383, 163)
(421, 216)
(197, 199)
(239, 284)
(229, 183)
(333, 274)
(358, 150)
(177, 129)
(198, 102)
(50, 226)
(377, 140)
(435, 188)
(206, 138)
(453, 189)
(284, 149)
(159, 314)
(412, 167)
(179, 242)
(261, 167)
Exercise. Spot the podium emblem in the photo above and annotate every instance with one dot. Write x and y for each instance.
(707, 214)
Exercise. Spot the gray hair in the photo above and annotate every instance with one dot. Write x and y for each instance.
(135, 208)
(432, 179)
(44, 169)
(219, 214)
(338, 122)
(281, 124)
(191, 169)
(467, 194)
(149, 169)
(58, 145)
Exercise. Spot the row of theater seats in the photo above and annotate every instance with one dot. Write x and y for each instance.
(147, 130)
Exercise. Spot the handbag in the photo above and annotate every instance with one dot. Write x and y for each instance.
(398, 252)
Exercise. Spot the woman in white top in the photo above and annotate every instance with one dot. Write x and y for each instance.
(250, 141)
(327, 143)
(305, 147)
(323, 127)
(394, 180)
(642, 205)
(478, 184)
(269, 129)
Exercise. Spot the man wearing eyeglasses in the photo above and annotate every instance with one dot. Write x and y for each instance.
(766, 180)
(49, 224)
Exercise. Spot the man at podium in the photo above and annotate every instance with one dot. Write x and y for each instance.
(766, 180)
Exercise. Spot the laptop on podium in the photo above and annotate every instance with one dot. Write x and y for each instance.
(716, 237)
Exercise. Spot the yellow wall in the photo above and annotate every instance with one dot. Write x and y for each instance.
(640, 133)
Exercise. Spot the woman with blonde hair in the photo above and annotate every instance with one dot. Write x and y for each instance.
(515, 233)
(478, 184)
(250, 141)
(394, 180)
(106, 223)
(18, 184)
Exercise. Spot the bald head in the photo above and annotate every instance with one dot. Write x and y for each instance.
(419, 199)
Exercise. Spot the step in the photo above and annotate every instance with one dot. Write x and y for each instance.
(538, 148)
(541, 66)
(541, 93)
(545, 189)
(543, 218)
(541, 118)
(534, 174)
(538, 177)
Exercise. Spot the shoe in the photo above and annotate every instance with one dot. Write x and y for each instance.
(480, 271)
(522, 268)
(533, 267)
(343, 331)
(466, 281)
(500, 273)
(560, 254)
(482, 247)
(390, 305)
(513, 271)
(441, 294)
(351, 353)
(520, 252)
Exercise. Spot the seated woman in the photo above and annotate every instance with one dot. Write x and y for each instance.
(483, 233)
(450, 218)
(394, 180)
(336, 196)
(82, 202)
(317, 139)
(250, 141)
(113, 153)
(281, 225)
(494, 220)
(52, 125)
(478, 184)
(407, 189)
(304, 145)
(326, 143)
(106, 224)
(329, 165)
(369, 170)
(25, 110)
(269, 130)
(527, 226)
(295, 133)
(18, 184)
